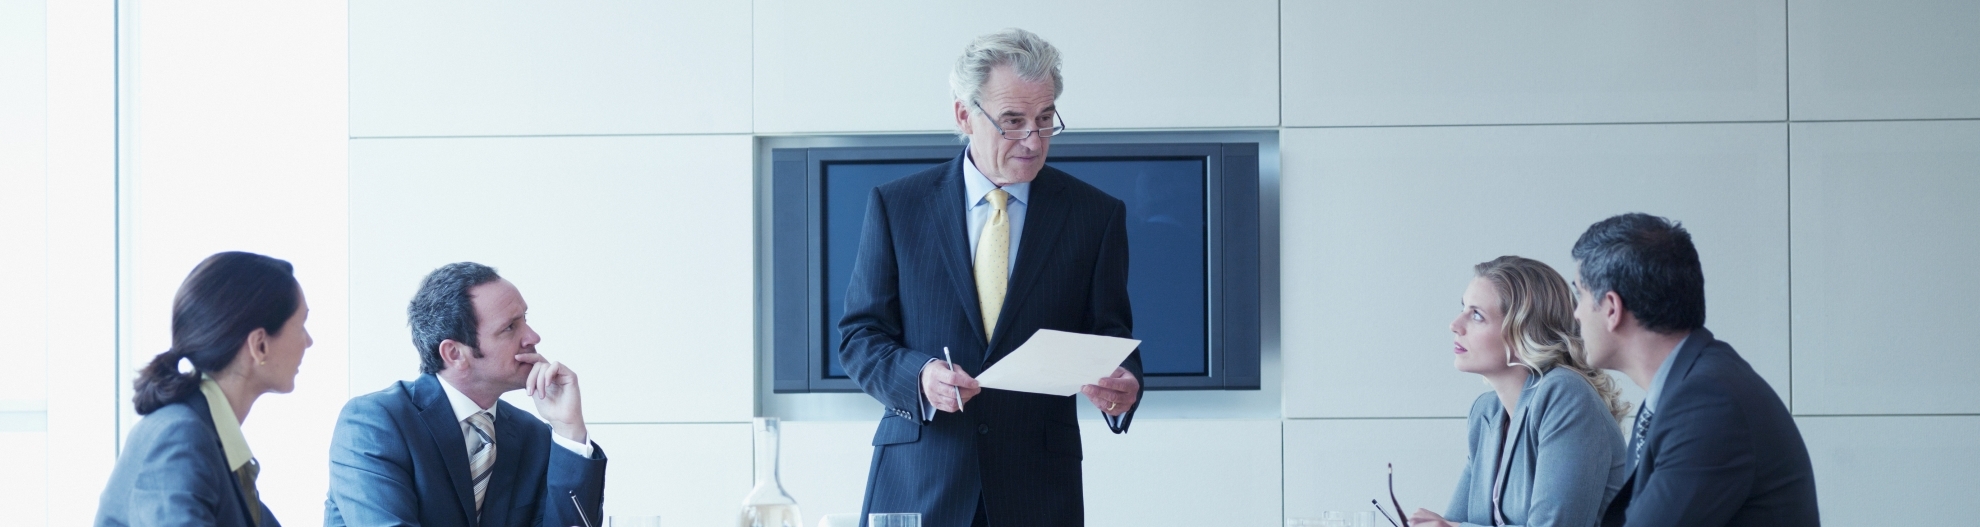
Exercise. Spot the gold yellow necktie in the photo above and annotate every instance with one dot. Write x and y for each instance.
(993, 253)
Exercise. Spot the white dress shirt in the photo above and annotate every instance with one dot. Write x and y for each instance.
(465, 408)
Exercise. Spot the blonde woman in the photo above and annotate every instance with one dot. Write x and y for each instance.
(1546, 450)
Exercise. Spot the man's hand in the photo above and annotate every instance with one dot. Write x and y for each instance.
(939, 386)
(1425, 518)
(1114, 394)
(555, 390)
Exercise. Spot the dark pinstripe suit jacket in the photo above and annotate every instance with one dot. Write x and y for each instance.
(913, 292)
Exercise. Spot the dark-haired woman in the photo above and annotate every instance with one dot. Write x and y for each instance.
(237, 333)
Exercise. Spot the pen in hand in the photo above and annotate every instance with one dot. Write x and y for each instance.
(952, 369)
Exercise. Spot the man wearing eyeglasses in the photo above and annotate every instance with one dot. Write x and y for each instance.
(968, 259)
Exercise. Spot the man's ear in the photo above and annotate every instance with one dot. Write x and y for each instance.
(1612, 310)
(962, 117)
(452, 352)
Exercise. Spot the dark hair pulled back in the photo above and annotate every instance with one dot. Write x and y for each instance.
(226, 297)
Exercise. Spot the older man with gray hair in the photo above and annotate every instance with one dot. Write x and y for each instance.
(966, 260)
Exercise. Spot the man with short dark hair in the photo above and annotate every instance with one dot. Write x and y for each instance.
(1712, 444)
(443, 449)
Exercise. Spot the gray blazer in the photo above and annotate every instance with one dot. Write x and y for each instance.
(172, 472)
(1564, 457)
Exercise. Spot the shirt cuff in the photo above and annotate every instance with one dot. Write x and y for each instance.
(581, 449)
(927, 410)
(1113, 421)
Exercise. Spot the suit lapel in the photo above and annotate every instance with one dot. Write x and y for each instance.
(1514, 429)
(438, 414)
(1042, 224)
(508, 460)
(951, 224)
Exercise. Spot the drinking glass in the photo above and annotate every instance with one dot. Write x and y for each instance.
(632, 521)
(894, 519)
(1364, 519)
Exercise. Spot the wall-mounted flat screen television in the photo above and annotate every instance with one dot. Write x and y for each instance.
(1192, 225)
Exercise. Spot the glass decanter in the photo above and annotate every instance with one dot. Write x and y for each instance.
(768, 505)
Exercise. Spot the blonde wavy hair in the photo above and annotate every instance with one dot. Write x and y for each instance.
(1539, 324)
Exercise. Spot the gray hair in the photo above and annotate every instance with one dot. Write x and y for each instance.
(1031, 56)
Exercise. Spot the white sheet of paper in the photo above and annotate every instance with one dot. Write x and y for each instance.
(1057, 363)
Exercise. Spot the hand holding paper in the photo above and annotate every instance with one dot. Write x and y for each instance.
(1114, 394)
(1058, 363)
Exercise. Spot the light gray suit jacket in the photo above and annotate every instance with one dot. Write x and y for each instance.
(1564, 460)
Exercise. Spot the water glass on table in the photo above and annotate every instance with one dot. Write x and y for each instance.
(894, 519)
(632, 521)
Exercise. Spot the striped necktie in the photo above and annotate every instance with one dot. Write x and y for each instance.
(993, 253)
(1636, 442)
(480, 431)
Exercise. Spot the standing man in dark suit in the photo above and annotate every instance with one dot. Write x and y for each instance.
(975, 255)
(1712, 444)
(443, 450)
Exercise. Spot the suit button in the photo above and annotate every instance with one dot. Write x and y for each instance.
(982, 429)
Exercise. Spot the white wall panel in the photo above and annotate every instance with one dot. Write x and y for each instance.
(1885, 234)
(1182, 472)
(883, 66)
(1381, 227)
(1340, 464)
(24, 201)
(688, 474)
(1884, 59)
(81, 257)
(1878, 470)
(824, 465)
(521, 68)
(1350, 63)
(242, 147)
(633, 252)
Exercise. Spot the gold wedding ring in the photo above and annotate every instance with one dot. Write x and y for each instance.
(1110, 406)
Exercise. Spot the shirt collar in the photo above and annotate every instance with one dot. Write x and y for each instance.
(976, 185)
(463, 406)
(224, 423)
(1663, 372)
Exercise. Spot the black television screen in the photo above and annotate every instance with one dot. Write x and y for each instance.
(1192, 241)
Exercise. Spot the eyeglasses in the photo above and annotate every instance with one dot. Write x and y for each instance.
(1020, 135)
(1392, 499)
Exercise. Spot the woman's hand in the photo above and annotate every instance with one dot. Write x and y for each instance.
(1425, 518)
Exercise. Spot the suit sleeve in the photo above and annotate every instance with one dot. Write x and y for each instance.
(371, 471)
(570, 475)
(1578, 446)
(1112, 315)
(168, 490)
(872, 327)
(1704, 464)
